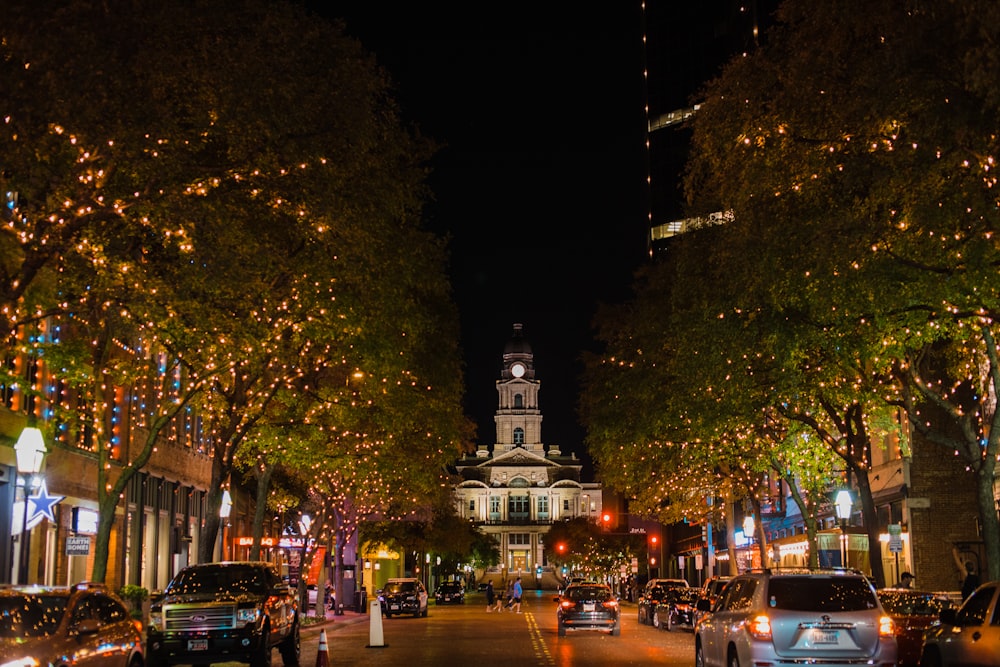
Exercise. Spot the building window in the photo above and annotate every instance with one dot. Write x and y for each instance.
(565, 504)
(518, 401)
(518, 508)
(472, 506)
(543, 508)
(519, 539)
(518, 436)
(494, 508)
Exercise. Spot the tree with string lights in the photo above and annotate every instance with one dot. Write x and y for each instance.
(228, 238)
(856, 151)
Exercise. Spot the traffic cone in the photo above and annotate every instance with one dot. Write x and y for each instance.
(375, 639)
(323, 654)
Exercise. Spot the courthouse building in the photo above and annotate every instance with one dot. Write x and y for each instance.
(514, 489)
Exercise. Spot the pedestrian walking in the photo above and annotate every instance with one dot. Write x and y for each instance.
(517, 592)
(490, 596)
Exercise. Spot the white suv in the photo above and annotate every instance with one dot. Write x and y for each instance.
(794, 617)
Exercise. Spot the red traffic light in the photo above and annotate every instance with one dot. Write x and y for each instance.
(606, 517)
(654, 540)
(561, 548)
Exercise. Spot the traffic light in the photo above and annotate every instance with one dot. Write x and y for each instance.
(561, 548)
(654, 540)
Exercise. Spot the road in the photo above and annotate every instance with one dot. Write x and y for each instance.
(468, 635)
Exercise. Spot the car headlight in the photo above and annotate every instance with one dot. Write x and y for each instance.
(26, 661)
(247, 615)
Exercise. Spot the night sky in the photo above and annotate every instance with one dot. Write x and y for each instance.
(541, 181)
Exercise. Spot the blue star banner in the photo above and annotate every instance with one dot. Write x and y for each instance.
(40, 505)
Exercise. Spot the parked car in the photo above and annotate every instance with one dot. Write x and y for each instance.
(647, 602)
(969, 635)
(667, 583)
(912, 612)
(710, 591)
(450, 592)
(404, 595)
(234, 611)
(801, 616)
(85, 625)
(483, 585)
(588, 606)
(676, 609)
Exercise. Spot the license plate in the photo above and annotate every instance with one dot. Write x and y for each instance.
(588, 606)
(197, 644)
(394, 606)
(825, 637)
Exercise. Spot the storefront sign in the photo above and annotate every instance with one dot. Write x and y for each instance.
(77, 546)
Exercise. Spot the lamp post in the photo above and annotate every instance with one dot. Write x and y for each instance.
(843, 503)
(225, 509)
(748, 526)
(30, 450)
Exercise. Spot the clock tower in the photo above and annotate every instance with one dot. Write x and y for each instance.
(516, 489)
(518, 419)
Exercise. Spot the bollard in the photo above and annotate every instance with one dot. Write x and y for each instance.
(340, 609)
(375, 639)
(323, 654)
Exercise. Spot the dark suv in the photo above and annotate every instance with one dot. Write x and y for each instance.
(405, 595)
(795, 617)
(221, 612)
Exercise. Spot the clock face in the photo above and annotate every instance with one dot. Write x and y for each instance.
(517, 370)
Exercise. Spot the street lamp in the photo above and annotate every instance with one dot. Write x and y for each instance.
(748, 527)
(843, 504)
(30, 450)
(225, 509)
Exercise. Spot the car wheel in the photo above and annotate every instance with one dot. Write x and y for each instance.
(699, 658)
(733, 660)
(562, 630)
(616, 631)
(669, 622)
(291, 648)
(656, 619)
(152, 660)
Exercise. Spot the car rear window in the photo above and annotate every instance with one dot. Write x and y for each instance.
(598, 593)
(908, 604)
(820, 594)
(30, 615)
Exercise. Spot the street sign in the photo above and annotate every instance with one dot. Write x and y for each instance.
(77, 546)
(895, 538)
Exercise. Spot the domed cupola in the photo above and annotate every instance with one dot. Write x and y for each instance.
(518, 360)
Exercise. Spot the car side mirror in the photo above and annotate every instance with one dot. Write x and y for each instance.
(88, 626)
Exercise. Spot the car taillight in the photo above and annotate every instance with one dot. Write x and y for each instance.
(886, 627)
(611, 604)
(760, 627)
(567, 604)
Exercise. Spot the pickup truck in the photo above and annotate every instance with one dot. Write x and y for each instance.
(222, 612)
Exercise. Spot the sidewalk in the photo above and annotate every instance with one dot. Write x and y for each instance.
(330, 617)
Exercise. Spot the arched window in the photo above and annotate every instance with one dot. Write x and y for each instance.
(518, 436)
(518, 401)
